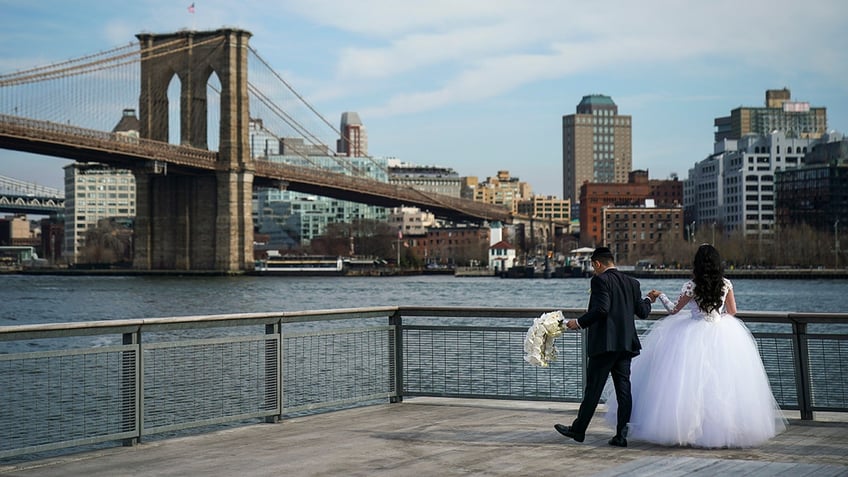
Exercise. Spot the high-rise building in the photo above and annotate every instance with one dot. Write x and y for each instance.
(596, 145)
(797, 119)
(296, 218)
(94, 192)
(734, 188)
(817, 193)
(354, 140)
(292, 219)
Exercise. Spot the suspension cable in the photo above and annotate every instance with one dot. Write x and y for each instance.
(308, 105)
(300, 128)
(43, 74)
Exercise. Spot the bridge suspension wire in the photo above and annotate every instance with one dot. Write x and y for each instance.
(298, 152)
(254, 91)
(91, 91)
(293, 91)
(33, 72)
(71, 68)
(309, 106)
(17, 186)
(302, 130)
(298, 127)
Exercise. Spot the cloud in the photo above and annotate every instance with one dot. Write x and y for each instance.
(385, 58)
(428, 58)
(117, 32)
(415, 51)
(390, 18)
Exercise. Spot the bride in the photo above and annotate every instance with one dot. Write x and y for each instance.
(699, 380)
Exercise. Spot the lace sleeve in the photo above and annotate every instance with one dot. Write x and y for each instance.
(728, 300)
(686, 294)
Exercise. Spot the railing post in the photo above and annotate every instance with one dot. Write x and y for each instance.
(273, 371)
(131, 401)
(396, 355)
(584, 363)
(802, 370)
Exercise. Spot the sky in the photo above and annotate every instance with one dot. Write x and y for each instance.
(482, 85)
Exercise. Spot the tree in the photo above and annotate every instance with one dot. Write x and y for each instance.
(336, 240)
(107, 243)
(797, 245)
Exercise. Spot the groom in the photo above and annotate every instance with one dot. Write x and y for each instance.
(611, 343)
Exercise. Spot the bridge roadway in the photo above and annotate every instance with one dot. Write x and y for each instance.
(71, 142)
(20, 204)
(447, 437)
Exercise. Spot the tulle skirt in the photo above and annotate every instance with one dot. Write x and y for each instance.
(701, 384)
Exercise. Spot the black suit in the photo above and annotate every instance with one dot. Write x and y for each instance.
(611, 342)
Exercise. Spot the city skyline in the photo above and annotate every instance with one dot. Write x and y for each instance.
(478, 89)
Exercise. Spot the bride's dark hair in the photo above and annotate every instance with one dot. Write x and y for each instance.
(708, 277)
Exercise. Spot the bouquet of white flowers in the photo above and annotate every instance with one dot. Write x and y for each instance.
(539, 341)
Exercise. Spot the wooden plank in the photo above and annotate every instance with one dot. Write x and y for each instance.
(694, 466)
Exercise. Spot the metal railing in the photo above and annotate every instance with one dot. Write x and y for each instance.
(36, 130)
(75, 384)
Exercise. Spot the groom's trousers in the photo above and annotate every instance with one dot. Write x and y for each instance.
(598, 369)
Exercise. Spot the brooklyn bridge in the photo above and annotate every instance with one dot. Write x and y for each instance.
(194, 188)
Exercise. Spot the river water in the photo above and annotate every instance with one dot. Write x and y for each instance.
(29, 299)
(35, 299)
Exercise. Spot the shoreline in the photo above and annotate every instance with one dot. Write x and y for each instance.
(761, 273)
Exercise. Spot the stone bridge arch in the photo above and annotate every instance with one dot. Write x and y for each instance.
(196, 222)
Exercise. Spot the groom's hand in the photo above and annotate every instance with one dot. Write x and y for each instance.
(572, 325)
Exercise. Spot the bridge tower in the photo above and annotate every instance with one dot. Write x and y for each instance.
(196, 222)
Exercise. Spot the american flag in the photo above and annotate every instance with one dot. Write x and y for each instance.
(191, 8)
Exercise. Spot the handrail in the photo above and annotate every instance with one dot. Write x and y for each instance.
(162, 374)
(82, 328)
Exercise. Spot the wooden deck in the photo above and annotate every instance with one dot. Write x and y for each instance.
(445, 437)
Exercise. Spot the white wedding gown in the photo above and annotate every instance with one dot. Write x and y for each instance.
(699, 381)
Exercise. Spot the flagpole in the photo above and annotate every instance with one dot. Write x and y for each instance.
(191, 10)
(400, 237)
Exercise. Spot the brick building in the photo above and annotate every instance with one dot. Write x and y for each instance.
(634, 233)
(451, 246)
(595, 196)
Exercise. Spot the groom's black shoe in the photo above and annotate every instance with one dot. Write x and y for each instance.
(618, 441)
(568, 432)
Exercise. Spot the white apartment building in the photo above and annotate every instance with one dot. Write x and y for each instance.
(94, 192)
(436, 179)
(734, 187)
(411, 221)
